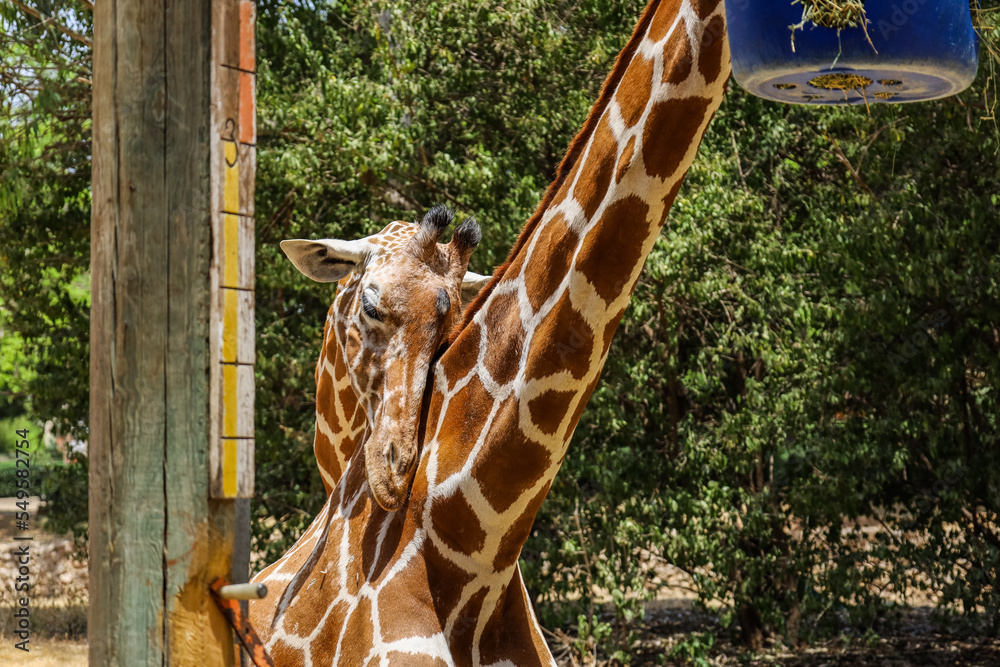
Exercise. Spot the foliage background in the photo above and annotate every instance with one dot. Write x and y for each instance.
(800, 410)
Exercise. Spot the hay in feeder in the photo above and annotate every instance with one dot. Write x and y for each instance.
(843, 81)
(833, 14)
(840, 81)
(836, 14)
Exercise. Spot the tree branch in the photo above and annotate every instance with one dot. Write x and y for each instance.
(839, 154)
(63, 29)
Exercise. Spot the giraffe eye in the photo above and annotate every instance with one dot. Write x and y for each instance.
(369, 308)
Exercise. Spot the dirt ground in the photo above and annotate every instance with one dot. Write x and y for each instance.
(912, 642)
(904, 648)
(46, 653)
(59, 626)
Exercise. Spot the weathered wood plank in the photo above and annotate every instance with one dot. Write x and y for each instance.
(104, 214)
(130, 273)
(140, 337)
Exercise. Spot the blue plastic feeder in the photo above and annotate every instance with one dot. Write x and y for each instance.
(919, 50)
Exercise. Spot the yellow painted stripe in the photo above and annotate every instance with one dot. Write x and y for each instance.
(229, 402)
(230, 324)
(229, 468)
(231, 251)
(231, 191)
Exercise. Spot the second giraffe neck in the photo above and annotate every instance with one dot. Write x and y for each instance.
(513, 385)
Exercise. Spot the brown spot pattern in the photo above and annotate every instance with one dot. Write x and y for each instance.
(342, 330)
(563, 341)
(710, 56)
(464, 628)
(595, 175)
(434, 409)
(625, 161)
(513, 271)
(357, 634)
(405, 609)
(285, 654)
(548, 409)
(326, 641)
(326, 457)
(465, 348)
(359, 419)
(511, 462)
(703, 8)
(580, 407)
(339, 367)
(669, 198)
(504, 640)
(346, 396)
(517, 534)
(669, 133)
(557, 243)
(564, 189)
(309, 610)
(463, 422)
(445, 580)
(504, 337)
(663, 19)
(457, 525)
(677, 57)
(610, 329)
(325, 402)
(399, 532)
(634, 90)
(611, 252)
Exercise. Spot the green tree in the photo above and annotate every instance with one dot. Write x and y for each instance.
(812, 348)
(45, 201)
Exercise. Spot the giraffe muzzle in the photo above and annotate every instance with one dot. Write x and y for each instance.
(389, 467)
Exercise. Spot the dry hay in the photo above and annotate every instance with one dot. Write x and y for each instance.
(844, 81)
(837, 14)
(833, 14)
(840, 81)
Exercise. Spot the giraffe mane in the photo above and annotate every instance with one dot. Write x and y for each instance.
(569, 161)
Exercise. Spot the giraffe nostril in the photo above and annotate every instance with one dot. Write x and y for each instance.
(392, 454)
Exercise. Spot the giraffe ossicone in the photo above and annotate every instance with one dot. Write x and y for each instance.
(401, 294)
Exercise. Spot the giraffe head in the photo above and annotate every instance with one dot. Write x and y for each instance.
(400, 294)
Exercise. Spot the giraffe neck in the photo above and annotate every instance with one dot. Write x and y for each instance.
(341, 422)
(512, 387)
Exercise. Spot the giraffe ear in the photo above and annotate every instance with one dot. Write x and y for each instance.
(471, 284)
(327, 260)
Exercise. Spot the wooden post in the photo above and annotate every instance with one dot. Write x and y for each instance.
(173, 116)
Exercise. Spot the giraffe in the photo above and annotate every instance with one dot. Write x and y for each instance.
(430, 576)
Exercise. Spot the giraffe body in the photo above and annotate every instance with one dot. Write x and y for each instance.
(437, 582)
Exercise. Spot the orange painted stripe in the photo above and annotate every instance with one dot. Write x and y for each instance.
(247, 37)
(248, 109)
